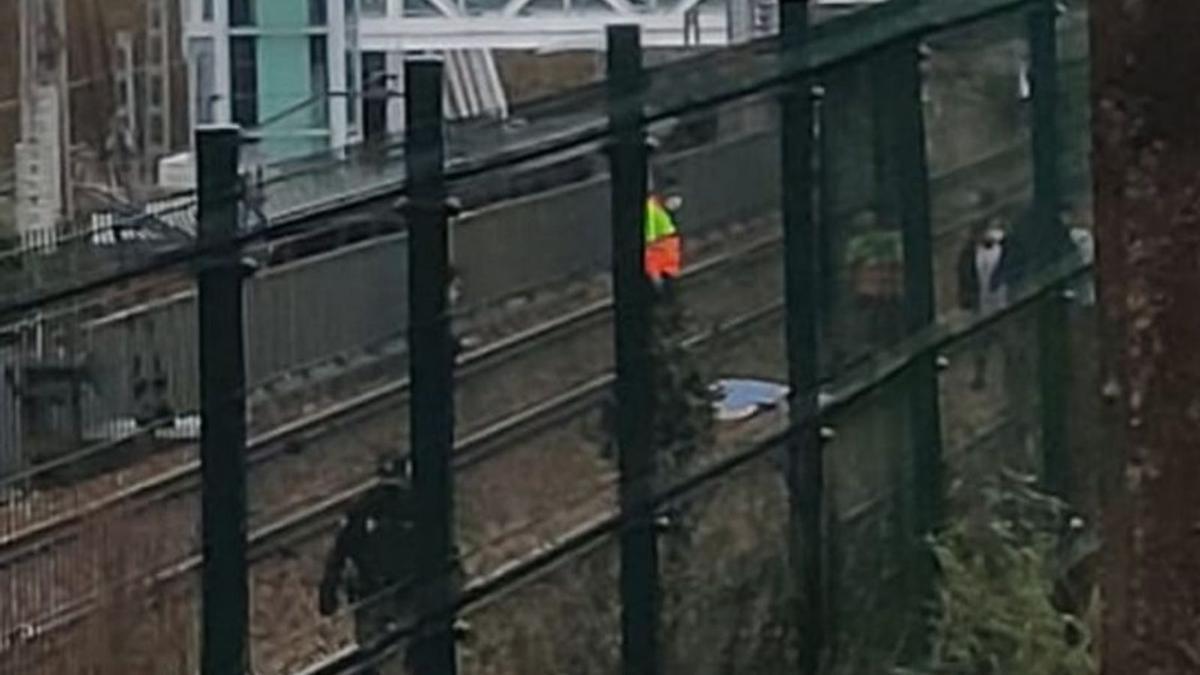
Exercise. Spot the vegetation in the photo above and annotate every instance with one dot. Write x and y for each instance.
(683, 420)
(1002, 570)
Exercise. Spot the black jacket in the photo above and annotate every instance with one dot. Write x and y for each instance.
(375, 542)
(1008, 272)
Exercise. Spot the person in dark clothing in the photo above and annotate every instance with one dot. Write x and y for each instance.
(373, 566)
(371, 563)
(989, 267)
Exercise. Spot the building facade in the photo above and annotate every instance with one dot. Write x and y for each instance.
(305, 76)
(111, 73)
(288, 73)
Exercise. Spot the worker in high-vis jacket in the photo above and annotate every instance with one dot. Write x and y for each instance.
(663, 254)
(663, 258)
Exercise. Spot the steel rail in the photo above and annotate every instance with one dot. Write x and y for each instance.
(473, 448)
(470, 450)
(885, 368)
(185, 478)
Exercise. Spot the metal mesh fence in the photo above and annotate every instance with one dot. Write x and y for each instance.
(875, 602)
(717, 341)
(304, 477)
(990, 404)
(977, 111)
(326, 358)
(98, 493)
(563, 619)
(726, 586)
(534, 324)
(1075, 114)
(99, 486)
(863, 246)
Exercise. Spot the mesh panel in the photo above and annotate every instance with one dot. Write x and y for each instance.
(97, 459)
(565, 619)
(721, 323)
(870, 492)
(326, 358)
(719, 379)
(862, 251)
(327, 401)
(725, 575)
(534, 322)
(1075, 112)
(977, 113)
(990, 407)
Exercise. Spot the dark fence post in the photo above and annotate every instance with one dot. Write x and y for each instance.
(222, 408)
(803, 286)
(1047, 241)
(906, 145)
(1043, 80)
(431, 365)
(631, 287)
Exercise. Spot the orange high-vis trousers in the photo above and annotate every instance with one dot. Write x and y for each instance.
(663, 258)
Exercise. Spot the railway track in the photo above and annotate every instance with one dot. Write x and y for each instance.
(492, 363)
(512, 416)
(290, 550)
(524, 344)
(562, 513)
(491, 531)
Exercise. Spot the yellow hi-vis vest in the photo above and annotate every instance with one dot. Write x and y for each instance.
(663, 256)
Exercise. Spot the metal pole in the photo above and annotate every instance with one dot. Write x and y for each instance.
(1043, 80)
(639, 548)
(826, 214)
(431, 365)
(906, 144)
(802, 286)
(1047, 240)
(222, 407)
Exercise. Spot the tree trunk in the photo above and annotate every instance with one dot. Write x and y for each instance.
(1146, 138)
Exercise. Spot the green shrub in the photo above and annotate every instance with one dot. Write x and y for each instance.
(998, 572)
